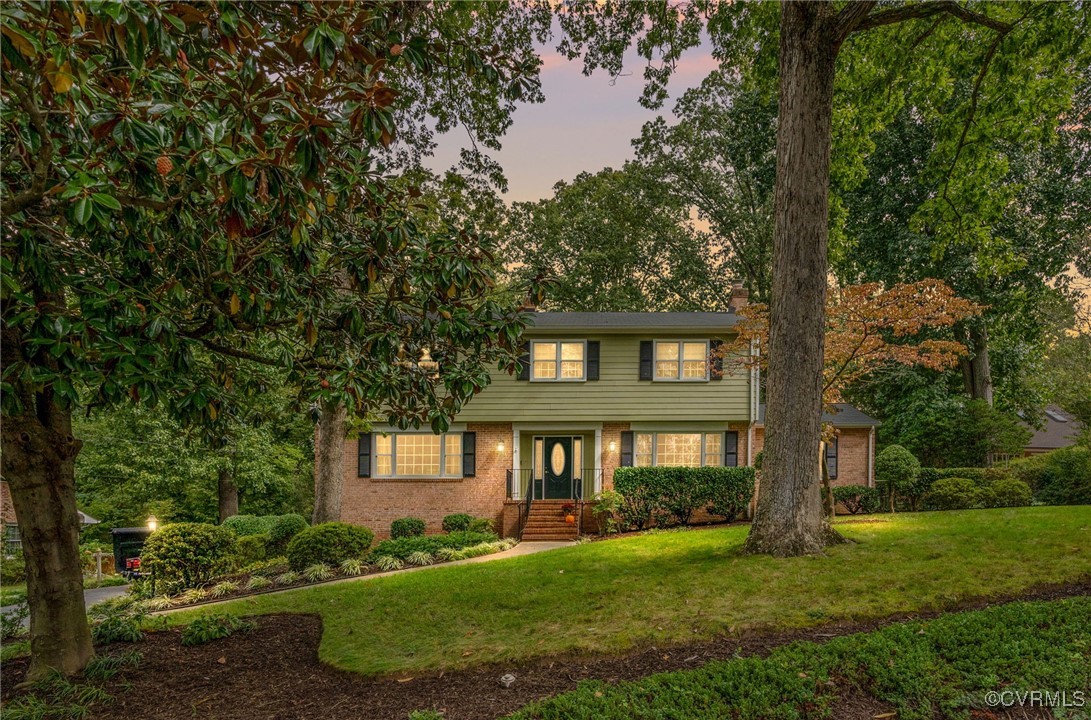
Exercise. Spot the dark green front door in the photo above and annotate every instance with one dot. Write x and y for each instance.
(558, 463)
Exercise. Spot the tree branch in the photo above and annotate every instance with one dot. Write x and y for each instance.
(928, 9)
(34, 194)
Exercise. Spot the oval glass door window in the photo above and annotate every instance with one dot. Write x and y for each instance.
(557, 459)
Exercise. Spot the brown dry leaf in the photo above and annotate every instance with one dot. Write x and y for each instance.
(222, 660)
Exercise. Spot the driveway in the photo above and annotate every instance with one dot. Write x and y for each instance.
(90, 597)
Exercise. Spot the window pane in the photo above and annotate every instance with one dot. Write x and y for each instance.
(539, 461)
(713, 443)
(666, 351)
(572, 351)
(382, 465)
(693, 369)
(572, 369)
(643, 450)
(545, 369)
(678, 449)
(418, 455)
(382, 444)
(452, 446)
(695, 351)
(666, 369)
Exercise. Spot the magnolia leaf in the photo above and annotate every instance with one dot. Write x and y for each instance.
(59, 77)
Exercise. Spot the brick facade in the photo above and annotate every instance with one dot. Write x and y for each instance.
(376, 502)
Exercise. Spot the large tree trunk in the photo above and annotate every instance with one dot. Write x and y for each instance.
(975, 370)
(329, 466)
(39, 455)
(789, 518)
(227, 492)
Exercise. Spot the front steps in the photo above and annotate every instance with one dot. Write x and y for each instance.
(546, 522)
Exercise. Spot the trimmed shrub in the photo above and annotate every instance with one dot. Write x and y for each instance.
(953, 493)
(251, 549)
(897, 470)
(1009, 492)
(456, 522)
(328, 543)
(1061, 477)
(670, 495)
(481, 525)
(406, 527)
(185, 555)
(243, 525)
(402, 548)
(284, 528)
(857, 498)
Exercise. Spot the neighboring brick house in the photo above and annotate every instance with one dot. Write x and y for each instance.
(596, 391)
(12, 540)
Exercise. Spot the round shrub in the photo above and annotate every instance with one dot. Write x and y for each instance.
(284, 529)
(1010, 493)
(897, 470)
(244, 525)
(456, 522)
(328, 543)
(406, 527)
(250, 549)
(953, 493)
(186, 555)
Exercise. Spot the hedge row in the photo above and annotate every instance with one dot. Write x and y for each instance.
(670, 495)
(403, 547)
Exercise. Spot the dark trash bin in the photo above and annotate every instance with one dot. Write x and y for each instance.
(128, 545)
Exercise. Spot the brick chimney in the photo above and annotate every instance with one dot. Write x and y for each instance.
(739, 297)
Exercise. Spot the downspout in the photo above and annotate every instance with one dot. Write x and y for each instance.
(871, 457)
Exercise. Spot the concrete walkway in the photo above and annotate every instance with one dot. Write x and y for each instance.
(523, 548)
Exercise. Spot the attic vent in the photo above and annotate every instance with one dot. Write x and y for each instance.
(1054, 415)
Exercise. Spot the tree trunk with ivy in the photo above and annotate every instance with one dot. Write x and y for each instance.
(329, 464)
(789, 518)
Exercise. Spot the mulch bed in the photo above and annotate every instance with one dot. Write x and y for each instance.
(274, 672)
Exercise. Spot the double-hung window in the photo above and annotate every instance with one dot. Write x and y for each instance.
(558, 360)
(418, 455)
(685, 360)
(678, 449)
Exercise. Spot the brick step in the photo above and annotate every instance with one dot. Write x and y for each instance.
(548, 527)
(547, 536)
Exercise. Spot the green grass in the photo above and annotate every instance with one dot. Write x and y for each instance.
(13, 593)
(679, 586)
(940, 668)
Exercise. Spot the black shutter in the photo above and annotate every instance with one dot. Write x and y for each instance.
(363, 457)
(716, 361)
(469, 454)
(524, 361)
(592, 359)
(731, 448)
(627, 449)
(645, 359)
(831, 458)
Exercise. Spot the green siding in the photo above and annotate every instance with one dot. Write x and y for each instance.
(617, 396)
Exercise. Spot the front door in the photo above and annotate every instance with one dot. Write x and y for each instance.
(557, 457)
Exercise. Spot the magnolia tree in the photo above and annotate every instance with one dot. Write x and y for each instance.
(190, 193)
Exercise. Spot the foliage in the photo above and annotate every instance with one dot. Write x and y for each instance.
(288, 578)
(250, 549)
(420, 558)
(245, 525)
(955, 493)
(614, 241)
(897, 470)
(186, 555)
(1060, 477)
(328, 543)
(857, 498)
(283, 530)
(55, 697)
(672, 494)
(481, 525)
(265, 568)
(869, 326)
(352, 567)
(402, 548)
(318, 572)
(1009, 492)
(606, 508)
(922, 668)
(258, 582)
(386, 563)
(117, 627)
(223, 589)
(207, 628)
(406, 527)
(12, 622)
(104, 667)
(13, 569)
(457, 521)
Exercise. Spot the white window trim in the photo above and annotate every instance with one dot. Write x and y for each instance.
(655, 445)
(557, 360)
(681, 360)
(394, 456)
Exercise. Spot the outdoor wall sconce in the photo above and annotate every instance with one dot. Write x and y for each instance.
(500, 446)
(153, 523)
(613, 446)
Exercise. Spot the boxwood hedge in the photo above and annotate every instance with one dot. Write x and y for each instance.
(670, 495)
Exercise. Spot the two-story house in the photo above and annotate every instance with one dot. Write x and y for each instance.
(597, 391)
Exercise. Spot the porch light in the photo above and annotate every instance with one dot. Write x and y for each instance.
(500, 446)
(613, 446)
(153, 523)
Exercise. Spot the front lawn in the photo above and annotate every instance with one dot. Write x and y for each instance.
(680, 586)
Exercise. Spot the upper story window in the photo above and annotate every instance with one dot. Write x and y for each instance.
(678, 449)
(558, 360)
(418, 455)
(685, 360)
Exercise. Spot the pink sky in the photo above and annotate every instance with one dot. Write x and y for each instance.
(585, 123)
